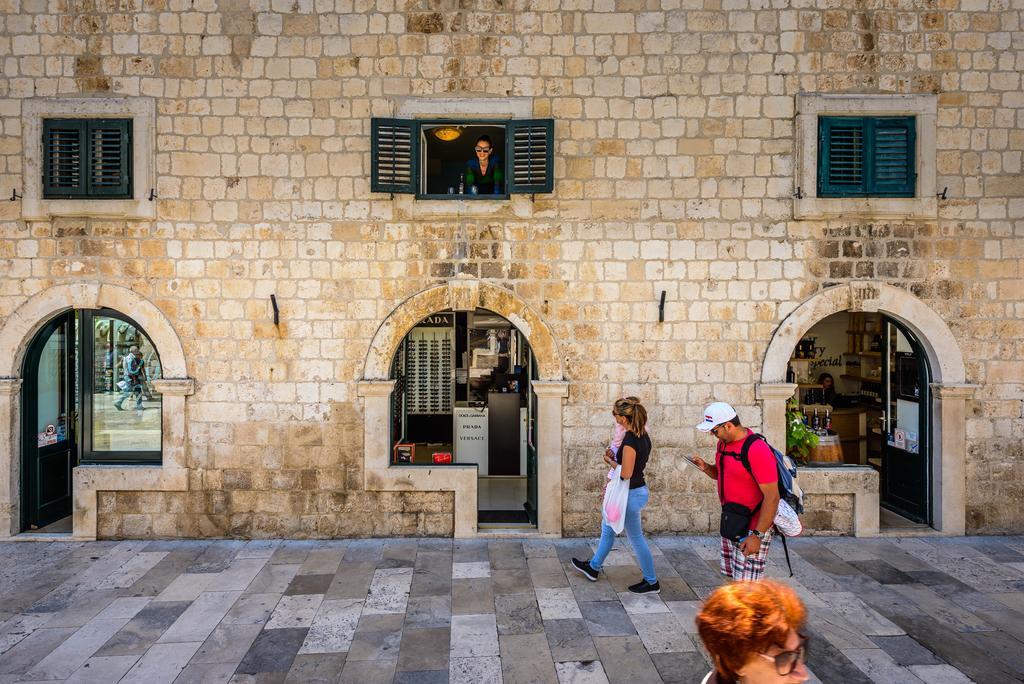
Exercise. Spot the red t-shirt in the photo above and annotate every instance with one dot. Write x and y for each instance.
(739, 486)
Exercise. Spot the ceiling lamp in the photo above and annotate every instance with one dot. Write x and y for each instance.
(447, 133)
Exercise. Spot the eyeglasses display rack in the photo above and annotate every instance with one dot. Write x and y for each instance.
(429, 375)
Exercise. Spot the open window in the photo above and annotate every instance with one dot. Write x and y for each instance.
(480, 160)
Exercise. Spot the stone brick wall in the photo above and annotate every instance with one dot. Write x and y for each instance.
(674, 172)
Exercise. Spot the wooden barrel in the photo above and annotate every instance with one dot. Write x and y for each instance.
(829, 450)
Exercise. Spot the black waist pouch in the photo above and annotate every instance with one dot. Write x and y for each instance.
(735, 522)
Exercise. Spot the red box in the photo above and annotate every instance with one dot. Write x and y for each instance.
(442, 457)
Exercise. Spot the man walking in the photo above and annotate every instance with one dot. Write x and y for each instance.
(749, 495)
(134, 377)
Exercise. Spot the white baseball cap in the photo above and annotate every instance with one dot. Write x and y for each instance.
(716, 414)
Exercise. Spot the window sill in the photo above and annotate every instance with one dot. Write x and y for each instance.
(44, 209)
(518, 206)
(866, 207)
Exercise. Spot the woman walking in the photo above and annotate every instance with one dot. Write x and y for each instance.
(632, 456)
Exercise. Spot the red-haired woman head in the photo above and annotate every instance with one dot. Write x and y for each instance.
(752, 631)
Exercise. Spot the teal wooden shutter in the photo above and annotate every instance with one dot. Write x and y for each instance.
(63, 147)
(841, 160)
(394, 155)
(108, 168)
(893, 171)
(530, 151)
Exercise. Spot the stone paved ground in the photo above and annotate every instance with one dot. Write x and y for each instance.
(881, 610)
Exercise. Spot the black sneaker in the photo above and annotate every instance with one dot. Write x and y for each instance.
(584, 567)
(645, 587)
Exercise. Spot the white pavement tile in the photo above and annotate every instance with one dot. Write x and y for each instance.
(161, 664)
(252, 609)
(102, 669)
(126, 607)
(475, 670)
(389, 591)
(186, 586)
(940, 674)
(880, 667)
(295, 611)
(333, 627)
(200, 618)
(576, 672)
(471, 570)
(557, 603)
(859, 614)
(132, 570)
(686, 614)
(238, 575)
(19, 627)
(62, 662)
(207, 673)
(473, 636)
(662, 633)
(640, 604)
(259, 548)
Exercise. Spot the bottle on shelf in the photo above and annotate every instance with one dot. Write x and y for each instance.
(816, 421)
(462, 184)
(828, 422)
(790, 375)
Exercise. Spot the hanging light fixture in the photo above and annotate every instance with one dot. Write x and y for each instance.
(447, 133)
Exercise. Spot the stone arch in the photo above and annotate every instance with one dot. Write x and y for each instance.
(949, 389)
(20, 327)
(17, 332)
(462, 295)
(944, 355)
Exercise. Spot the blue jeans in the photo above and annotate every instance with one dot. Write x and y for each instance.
(637, 500)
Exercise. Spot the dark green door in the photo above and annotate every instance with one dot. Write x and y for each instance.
(531, 443)
(49, 450)
(906, 446)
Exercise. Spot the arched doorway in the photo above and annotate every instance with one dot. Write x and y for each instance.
(87, 397)
(463, 396)
(944, 373)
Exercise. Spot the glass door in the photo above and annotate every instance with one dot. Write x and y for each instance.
(906, 445)
(49, 423)
(531, 440)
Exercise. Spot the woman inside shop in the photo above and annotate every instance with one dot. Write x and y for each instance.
(632, 456)
(828, 389)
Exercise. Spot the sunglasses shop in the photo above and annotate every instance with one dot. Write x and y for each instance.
(463, 396)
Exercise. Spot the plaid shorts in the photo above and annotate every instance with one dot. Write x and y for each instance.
(736, 566)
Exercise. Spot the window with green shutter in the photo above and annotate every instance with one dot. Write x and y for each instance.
(866, 156)
(87, 158)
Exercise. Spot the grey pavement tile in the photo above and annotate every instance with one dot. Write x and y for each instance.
(944, 611)
(431, 577)
(557, 604)
(686, 614)
(662, 633)
(830, 665)
(295, 611)
(76, 649)
(274, 650)
(421, 677)
(206, 673)
(163, 573)
(333, 627)
(251, 609)
(637, 604)
(428, 611)
(424, 649)
(585, 590)
(126, 607)
(479, 670)
(132, 571)
(940, 674)
(19, 627)
(1012, 600)
(364, 550)
(879, 666)
(320, 668)
(626, 660)
(860, 615)
(259, 548)
(569, 640)
(352, 580)
(606, 618)
(83, 609)
(469, 550)
(200, 618)
(580, 672)
(323, 561)
(101, 669)
(517, 614)
(906, 651)
(472, 596)
(389, 591)
(686, 667)
(675, 589)
(33, 648)
(471, 570)
(377, 637)
(273, 578)
(1002, 647)
(473, 636)
(309, 584)
(216, 557)
(507, 554)
(187, 587)
(525, 658)
(142, 631)
(955, 649)
(291, 552)
(821, 557)
(369, 671)
(837, 630)
(161, 664)
(882, 572)
(511, 581)
(398, 553)
(1008, 621)
(239, 574)
(539, 548)
(227, 644)
(693, 569)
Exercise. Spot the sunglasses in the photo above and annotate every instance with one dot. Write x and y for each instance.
(482, 149)
(787, 661)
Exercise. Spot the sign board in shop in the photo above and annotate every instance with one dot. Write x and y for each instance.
(471, 436)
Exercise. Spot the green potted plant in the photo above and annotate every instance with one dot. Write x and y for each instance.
(800, 439)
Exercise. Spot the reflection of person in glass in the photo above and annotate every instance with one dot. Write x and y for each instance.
(485, 172)
(133, 378)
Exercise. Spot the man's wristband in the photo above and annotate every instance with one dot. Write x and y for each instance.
(759, 535)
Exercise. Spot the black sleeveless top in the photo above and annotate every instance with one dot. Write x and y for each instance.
(642, 446)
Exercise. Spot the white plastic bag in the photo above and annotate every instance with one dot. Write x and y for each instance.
(616, 496)
(787, 520)
(121, 384)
